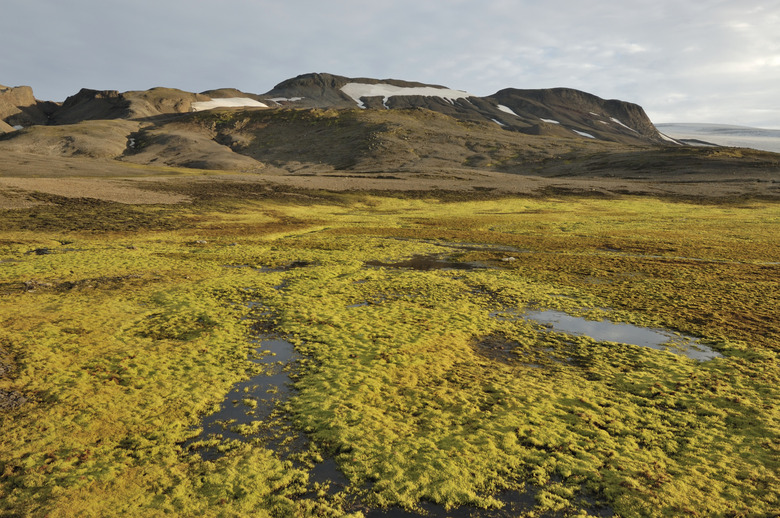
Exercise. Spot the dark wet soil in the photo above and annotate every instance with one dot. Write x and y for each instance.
(496, 347)
(428, 262)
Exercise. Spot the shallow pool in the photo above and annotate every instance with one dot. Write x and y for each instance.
(607, 331)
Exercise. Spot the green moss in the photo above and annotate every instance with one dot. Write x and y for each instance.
(122, 341)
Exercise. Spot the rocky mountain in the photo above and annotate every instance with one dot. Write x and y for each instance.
(111, 104)
(348, 130)
(320, 122)
(323, 123)
(19, 107)
(556, 112)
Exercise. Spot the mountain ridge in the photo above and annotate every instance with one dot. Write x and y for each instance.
(555, 112)
(335, 132)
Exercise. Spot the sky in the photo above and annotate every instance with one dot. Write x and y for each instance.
(707, 61)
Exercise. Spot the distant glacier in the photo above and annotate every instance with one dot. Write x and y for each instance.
(724, 135)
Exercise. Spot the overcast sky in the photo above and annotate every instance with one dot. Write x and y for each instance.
(682, 60)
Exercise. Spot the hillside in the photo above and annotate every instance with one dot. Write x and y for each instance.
(555, 112)
(334, 132)
(19, 107)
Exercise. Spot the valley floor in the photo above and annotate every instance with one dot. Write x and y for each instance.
(122, 326)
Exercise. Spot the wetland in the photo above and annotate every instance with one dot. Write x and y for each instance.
(367, 354)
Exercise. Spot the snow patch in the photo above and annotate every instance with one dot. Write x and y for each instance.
(278, 100)
(18, 127)
(384, 90)
(668, 139)
(498, 122)
(228, 102)
(583, 134)
(550, 121)
(613, 119)
(507, 109)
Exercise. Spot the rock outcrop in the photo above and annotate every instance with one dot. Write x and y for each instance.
(561, 112)
(18, 107)
(90, 104)
(580, 111)
(5, 127)
(556, 112)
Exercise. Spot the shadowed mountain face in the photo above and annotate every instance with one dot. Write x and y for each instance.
(555, 112)
(110, 104)
(579, 112)
(18, 107)
(322, 124)
(558, 112)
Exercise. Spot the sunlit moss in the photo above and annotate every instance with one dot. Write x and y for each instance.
(122, 341)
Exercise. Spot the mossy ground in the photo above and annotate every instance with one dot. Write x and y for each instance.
(125, 327)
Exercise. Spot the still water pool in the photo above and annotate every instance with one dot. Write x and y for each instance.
(607, 331)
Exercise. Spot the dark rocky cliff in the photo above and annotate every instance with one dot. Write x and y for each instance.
(561, 112)
(555, 112)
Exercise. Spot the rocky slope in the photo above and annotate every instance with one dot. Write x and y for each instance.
(19, 107)
(556, 112)
(322, 124)
(111, 104)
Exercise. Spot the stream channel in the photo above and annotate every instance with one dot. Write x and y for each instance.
(250, 405)
(254, 400)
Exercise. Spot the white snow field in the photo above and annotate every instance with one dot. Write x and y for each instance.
(384, 90)
(507, 109)
(724, 135)
(227, 102)
(616, 121)
(582, 133)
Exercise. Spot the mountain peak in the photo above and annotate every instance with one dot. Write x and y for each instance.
(562, 112)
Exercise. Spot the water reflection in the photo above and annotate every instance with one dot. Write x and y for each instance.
(250, 403)
(247, 412)
(623, 333)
